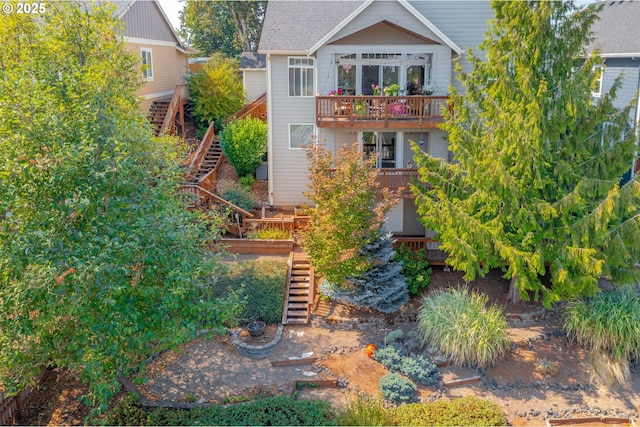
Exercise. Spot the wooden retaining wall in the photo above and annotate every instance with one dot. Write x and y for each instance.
(257, 246)
(11, 407)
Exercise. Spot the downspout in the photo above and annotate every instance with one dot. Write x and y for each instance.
(269, 133)
(637, 131)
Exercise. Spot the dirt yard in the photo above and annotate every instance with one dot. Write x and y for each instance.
(544, 376)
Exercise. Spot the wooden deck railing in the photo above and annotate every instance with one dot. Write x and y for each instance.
(434, 255)
(175, 106)
(407, 111)
(395, 179)
(256, 109)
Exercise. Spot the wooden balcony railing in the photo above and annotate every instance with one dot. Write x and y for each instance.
(380, 111)
(395, 179)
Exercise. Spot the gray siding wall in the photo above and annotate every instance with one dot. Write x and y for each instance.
(144, 20)
(464, 22)
(255, 84)
(630, 77)
(289, 174)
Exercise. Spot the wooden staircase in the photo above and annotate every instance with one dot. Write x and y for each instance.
(256, 109)
(157, 113)
(210, 160)
(166, 115)
(300, 289)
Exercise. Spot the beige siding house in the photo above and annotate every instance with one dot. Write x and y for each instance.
(315, 49)
(164, 58)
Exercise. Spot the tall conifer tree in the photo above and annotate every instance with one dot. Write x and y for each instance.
(534, 187)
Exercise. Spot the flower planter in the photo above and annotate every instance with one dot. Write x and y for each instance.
(256, 328)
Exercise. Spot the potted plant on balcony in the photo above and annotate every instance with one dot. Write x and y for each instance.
(392, 90)
(427, 89)
(360, 107)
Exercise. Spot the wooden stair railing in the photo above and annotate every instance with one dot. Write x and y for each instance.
(206, 199)
(256, 109)
(203, 148)
(175, 107)
(299, 290)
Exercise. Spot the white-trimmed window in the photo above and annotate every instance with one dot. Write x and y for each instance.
(597, 83)
(147, 64)
(301, 76)
(301, 135)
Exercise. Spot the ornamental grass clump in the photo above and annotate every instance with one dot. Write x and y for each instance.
(609, 326)
(459, 324)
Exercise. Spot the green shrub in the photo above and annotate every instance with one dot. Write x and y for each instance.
(244, 143)
(459, 324)
(365, 410)
(465, 411)
(415, 268)
(609, 325)
(396, 388)
(246, 182)
(272, 411)
(418, 368)
(260, 284)
(217, 90)
(126, 412)
(270, 234)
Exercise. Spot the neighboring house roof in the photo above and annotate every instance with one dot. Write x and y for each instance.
(616, 33)
(303, 26)
(137, 27)
(253, 61)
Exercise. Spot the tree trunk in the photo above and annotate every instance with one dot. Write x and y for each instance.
(514, 292)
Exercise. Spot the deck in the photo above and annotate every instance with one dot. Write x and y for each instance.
(380, 112)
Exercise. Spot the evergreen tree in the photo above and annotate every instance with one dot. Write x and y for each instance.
(535, 183)
(382, 287)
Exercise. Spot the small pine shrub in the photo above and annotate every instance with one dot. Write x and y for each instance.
(394, 336)
(389, 357)
(382, 287)
(418, 368)
(459, 324)
(608, 325)
(464, 411)
(415, 268)
(240, 197)
(396, 388)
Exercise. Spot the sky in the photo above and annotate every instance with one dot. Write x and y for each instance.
(172, 9)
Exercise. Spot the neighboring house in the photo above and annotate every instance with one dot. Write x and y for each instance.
(617, 40)
(254, 74)
(314, 48)
(149, 34)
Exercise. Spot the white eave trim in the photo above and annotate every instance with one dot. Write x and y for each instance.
(177, 43)
(284, 52)
(620, 55)
(324, 40)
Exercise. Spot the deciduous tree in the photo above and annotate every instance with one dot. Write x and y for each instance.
(100, 264)
(229, 27)
(345, 240)
(534, 188)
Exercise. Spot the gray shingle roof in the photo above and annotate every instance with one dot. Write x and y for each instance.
(252, 60)
(618, 29)
(298, 25)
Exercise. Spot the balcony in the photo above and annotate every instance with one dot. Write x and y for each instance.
(380, 112)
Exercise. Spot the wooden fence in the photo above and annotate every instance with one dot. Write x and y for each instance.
(12, 407)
